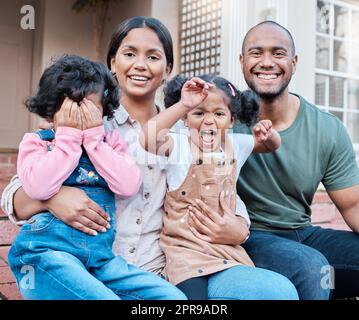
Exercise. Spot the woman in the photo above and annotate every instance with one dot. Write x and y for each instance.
(140, 55)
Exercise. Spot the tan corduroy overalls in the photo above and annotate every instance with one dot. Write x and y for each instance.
(187, 256)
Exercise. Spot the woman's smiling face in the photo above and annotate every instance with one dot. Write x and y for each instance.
(140, 63)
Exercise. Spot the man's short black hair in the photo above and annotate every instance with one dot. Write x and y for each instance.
(275, 24)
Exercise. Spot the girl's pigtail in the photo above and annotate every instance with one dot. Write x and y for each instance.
(249, 110)
(173, 89)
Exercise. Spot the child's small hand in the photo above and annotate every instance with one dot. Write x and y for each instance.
(91, 115)
(45, 125)
(262, 130)
(68, 115)
(194, 91)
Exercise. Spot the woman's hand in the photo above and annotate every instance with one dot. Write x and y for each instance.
(210, 226)
(73, 207)
(68, 115)
(193, 93)
(90, 114)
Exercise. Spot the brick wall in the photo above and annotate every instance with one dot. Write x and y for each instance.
(325, 214)
(8, 231)
(7, 170)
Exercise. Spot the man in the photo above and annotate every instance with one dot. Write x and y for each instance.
(278, 188)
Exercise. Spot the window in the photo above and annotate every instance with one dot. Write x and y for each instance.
(337, 63)
(200, 37)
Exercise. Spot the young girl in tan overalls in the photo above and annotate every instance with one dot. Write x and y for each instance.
(202, 168)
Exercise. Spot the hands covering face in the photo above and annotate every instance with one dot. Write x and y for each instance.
(81, 116)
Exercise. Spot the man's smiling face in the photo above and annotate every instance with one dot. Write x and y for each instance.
(268, 60)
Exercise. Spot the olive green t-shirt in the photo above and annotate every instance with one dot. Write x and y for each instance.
(278, 187)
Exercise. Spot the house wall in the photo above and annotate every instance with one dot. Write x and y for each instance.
(59, 29)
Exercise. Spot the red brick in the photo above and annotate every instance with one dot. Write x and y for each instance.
(2, 213)
(3, 263)
(6, 275)
(321, 197)
(10, 291)
(13, 159)
(3, 252)
(323, 212)
(5, 158)
(7, 172)
(3, 184)
(8, 232)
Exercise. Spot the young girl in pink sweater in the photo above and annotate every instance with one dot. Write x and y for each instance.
(75, 93)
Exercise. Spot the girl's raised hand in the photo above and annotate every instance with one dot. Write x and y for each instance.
(194, 91)
(262, 130)
(68, 115)
(91, 115)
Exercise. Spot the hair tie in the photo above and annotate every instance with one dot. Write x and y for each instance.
(232, 90)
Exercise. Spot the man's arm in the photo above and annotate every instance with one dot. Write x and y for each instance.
(347, 202)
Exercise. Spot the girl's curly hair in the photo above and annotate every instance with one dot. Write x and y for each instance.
(243, 105)
(74, 77)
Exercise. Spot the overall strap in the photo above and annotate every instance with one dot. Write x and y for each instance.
(46, 134)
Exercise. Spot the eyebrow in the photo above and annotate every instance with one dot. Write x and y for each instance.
(275, 48)
(149, 50)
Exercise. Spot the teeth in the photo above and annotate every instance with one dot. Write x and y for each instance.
(139, 78)
(211, 132)
(267, 76)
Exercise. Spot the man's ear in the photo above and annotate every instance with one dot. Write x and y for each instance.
(241, 60)
(294, 63)
(233, 120)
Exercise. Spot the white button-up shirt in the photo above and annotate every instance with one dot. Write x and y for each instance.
(139, 218)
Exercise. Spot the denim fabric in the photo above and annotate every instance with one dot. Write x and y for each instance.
(68, 264)
(250, 283)
(195, 288)
(318, 261)
(240, 283)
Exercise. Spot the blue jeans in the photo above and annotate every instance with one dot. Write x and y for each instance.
(240, 283)
(319, 262)
(51, 260)
(249, 283)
